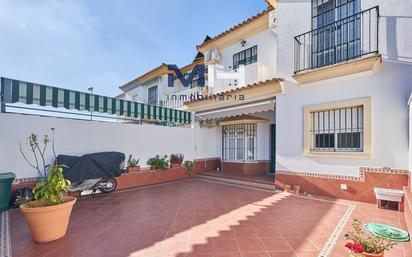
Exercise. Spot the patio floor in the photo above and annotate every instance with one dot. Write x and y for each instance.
(199, 218)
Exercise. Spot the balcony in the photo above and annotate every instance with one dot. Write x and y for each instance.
(343, 47)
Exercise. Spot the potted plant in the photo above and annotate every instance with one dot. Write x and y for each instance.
(48, 215)
(158, 163)
(176, 160)
(364, 244)
(133, 164)
(189, 167)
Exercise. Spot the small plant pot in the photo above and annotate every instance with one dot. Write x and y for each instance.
(288, 188)
(175, 165)
(382, 254)
(133, 169)
(296, 189)
(48, 223)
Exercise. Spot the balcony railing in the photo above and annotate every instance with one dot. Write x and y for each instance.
(345, 39)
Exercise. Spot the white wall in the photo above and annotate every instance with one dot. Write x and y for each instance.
(76, 137)
(208, 141)
(389, 86)
(262, 70)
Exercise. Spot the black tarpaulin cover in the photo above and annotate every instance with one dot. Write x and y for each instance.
(92, 166)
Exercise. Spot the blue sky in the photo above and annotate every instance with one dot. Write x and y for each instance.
(105, 43)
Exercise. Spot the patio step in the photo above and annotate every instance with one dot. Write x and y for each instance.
(239, 182)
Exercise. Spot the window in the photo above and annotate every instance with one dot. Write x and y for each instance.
(152, 95)
(337, 31)
(245, 57)
(239, 142)
(338, 129)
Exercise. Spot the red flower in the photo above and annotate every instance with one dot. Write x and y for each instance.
(349, 245)
(357, 248)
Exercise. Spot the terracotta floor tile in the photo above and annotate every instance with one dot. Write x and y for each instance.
(282, 254)
(276, 244)
(300, 244)
(201, 219)
(250, 245)
(256, 254)
(224, 246)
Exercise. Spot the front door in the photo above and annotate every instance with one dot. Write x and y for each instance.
(272, 142)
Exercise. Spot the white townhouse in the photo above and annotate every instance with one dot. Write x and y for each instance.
(314, 92)
(152, 87)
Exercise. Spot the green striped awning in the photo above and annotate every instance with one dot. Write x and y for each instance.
(16, 91)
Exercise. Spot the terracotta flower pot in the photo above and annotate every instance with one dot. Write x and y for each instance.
(48, 223)
(133, 169)
(175, 165)
(382, 254)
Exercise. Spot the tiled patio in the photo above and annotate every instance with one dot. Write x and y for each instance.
(198, 218)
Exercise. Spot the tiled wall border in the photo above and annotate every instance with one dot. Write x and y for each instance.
(5, 240)
(24, 180)
(361, 176)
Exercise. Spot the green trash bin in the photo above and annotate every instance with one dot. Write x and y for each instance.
(5, 189)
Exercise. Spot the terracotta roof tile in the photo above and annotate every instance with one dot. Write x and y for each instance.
(235, 27)
(238, 89)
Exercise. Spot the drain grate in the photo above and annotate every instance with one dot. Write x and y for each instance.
(5, 241)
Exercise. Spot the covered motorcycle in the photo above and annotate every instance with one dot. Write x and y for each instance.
(93, 171)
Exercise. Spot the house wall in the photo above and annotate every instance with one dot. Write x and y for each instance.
(140, 93)
(389, 87)
(208, 141)
(262, 70)
(78, 137)
(266, 44)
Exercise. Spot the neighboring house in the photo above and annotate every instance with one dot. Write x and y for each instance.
(318, 94)
(152, 87)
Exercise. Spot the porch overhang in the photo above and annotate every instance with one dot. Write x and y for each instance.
(238, 111)
(251, 94)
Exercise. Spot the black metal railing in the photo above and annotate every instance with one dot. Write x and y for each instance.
(345, 39)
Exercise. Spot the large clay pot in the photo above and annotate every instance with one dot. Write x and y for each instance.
(48, 223)
(374, 255)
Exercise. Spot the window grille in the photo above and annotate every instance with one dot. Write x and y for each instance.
(338, 130)
(239, 142)
(245, 57)
(152, 95)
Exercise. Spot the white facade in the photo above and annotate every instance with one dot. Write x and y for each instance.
(388, 86)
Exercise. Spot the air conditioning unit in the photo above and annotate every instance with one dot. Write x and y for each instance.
(272, 19)
(207, 123)
(212, 56)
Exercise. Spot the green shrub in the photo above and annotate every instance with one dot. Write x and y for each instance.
(189, 167)
(159, 163)
(131, 162)
(52, 185)
(176, 158)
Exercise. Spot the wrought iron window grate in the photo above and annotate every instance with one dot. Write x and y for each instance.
(239, 142)
(245, 57)
(338, 130)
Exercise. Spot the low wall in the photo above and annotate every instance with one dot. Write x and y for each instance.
(254, 168)
(78, 137)
(408, 208)
(209, 164)
(358, 188)
(151, 177)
